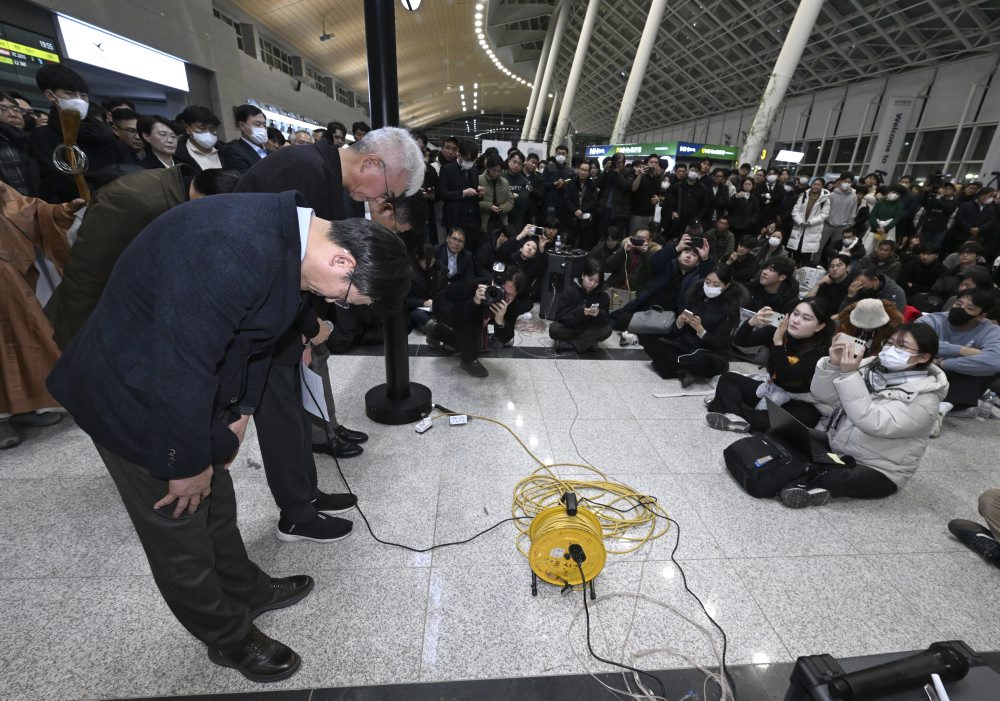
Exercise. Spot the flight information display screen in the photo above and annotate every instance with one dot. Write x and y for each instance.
(22, 53)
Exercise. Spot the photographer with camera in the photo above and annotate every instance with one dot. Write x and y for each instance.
(464, 311)
(647, 192)
(582, 315)
(615, 196)
(939, 206)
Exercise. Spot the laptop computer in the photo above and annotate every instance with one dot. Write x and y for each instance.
(807, 441)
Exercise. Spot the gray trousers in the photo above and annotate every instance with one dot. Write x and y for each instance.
(319, 365)
(989, 507)
(829, 231)
(199, 561)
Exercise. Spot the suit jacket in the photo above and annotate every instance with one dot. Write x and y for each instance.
(150, 161)
(238, 155)
(116, 215)
(464, 264)
(181, 340)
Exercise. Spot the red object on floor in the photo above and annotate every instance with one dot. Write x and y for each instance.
(911, 313)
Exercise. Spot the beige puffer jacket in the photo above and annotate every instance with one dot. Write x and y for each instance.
(887, 429)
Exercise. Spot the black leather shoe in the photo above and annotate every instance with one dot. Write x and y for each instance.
(342, 449)
(346, 434)
(284, 592)
(258, 658)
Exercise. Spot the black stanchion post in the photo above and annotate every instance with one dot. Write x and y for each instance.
(398, 401)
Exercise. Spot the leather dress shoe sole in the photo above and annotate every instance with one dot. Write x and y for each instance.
(217, 657)
(283, 603)
(350, 436)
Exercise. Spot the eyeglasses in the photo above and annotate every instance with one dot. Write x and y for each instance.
(388, 195)
(343, 303)
(127, 130)
(892, 344)
(13, 109)
(456, 239)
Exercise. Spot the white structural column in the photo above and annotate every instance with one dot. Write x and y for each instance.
(552, 120)
(784, 67)
(550, 68)
(536, 86)
(653, 19)
(579, 58)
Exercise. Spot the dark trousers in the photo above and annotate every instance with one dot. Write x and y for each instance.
(737, 394)
(858, 482)
(319, 365)
(669, 360)
(198, 560)
(467, 339)
(284, 430)
(582, 339)
(964, 391)
(418, 318)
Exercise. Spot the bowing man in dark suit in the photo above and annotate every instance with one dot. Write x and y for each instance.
(168, 369)
(240, 154)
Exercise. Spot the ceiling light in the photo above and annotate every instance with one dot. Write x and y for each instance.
(475, 86)
(478, 23)
(479, 15)
(479, 6)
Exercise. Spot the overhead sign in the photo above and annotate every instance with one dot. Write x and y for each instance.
(678, 150)
(23, 53)
(89, 44)
(895, 117)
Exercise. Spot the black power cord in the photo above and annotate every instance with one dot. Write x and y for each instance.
(331, 443)
(590, 647)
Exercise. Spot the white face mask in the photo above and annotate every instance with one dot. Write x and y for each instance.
(258, 135)
(803, 181)
(988, 200)
(76, 104)
(692, 175)
(774, 241)
(204, 140)
(772, 178)
(464, 164)
(664, 184)
(894, 359)
(711, 292)
(846, 187)
(892, 196)
(560, 159)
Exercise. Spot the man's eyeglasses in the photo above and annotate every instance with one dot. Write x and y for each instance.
(387, 195)
(343, 303)
(127, 130)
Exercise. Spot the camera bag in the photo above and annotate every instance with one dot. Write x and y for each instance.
(763, 466)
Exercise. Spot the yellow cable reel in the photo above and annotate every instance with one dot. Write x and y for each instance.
(555, 537)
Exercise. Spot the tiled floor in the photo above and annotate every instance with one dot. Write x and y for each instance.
(81, 618)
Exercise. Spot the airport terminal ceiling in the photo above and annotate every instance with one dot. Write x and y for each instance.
(710, 56)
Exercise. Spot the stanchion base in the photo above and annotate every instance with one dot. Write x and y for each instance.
(393, 412)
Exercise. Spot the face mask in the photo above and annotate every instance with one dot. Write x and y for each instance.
(892, 196)
(774, 241)
(464, 164)
(206, 140)
(560, 159)
(959, 317)
(848, 242)
(846, 187)
(803, 181)
(258, 135)
(772, 178)
(711, 292)
(692, 176)
(988, 200)
(664, 185)
(76, 104)
(894, 359)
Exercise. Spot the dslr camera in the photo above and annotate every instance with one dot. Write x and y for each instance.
(494, 292)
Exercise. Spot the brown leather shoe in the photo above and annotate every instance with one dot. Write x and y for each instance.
(284, 592)
(258, 658)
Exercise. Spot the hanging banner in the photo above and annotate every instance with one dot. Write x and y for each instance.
(895, 117)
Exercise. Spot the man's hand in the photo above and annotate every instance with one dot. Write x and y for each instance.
(559, 184)
(675, 215)
(429, 303)
(825, 280)
(307, 356)
(495, 209)
(76, 205)
(683, 243)
(470, 192)
(499, 309)
(591, 311)
(762, 317)
(578, 214)
(239, 427)
(480, 294)
(324, 333)
(854, 288)
(187, 493)
(654, 200)
(704, 250)
(733, 257)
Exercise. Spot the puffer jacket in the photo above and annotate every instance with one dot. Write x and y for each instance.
(809, 230)
(886, 430)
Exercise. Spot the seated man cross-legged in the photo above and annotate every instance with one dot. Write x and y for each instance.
(582, 314)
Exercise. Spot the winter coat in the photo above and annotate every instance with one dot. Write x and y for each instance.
(807, 233)
(888, 291)
(891, 267)
(717, 203)
(782, 301)
(886, 429)
(688, 200)
(459, 210)
(572, 301)
(887, 212)
(917, 278)
(719, 316)
(744, 214)
(614, 193)
(639, 273)
(937, 212)
(424, 284)
(498, 192)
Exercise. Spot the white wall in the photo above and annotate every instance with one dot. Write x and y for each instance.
(187, 29)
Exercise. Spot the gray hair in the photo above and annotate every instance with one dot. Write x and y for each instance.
(398, 151)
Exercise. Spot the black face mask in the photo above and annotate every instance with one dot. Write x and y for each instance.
(959, 317)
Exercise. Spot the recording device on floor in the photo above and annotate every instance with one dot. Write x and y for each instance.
(824, 678)
(494, 292)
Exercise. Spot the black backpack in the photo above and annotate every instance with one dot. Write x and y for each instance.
(763, 466)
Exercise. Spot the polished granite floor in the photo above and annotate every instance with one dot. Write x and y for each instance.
(81, 619)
